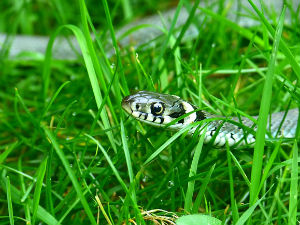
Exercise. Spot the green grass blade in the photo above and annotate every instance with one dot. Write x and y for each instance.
(96, 64)
(108, 71)
(248, 213)
(150, 84)
(186, 24)
(49, 172)
(45, 216)
(294, 186)
(71, 175)
(66, 111)
(201, 192)
(87, 53)
(167, 143)
(269, 165)
(9, 201)
(178, 67)
(240, 169)
(263, 117)
(23, 190)
(127, 9)
(67, 212)
(283, 46)
(235, 213)
(128, 159)
(93, 80)
(241, 30)
(54, 97)
(23, 104)
(166, 41)
(117, 175)
(38, 189)
(4, 154)
(102, 104)
(47, 63)
(115, 171)
(193, 171)
(17, 114)
(42, 214)
(176, 162)
(116, 47)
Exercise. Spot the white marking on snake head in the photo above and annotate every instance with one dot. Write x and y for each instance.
(189, 108)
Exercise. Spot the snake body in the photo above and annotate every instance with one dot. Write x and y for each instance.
(161, 109)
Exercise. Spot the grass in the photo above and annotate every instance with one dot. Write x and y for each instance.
(263, 115)
(70, 154)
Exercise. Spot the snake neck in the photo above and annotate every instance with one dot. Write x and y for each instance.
(218, 130)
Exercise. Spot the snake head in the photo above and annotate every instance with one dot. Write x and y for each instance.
(158, 109)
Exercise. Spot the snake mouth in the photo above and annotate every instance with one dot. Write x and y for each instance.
(126, 104)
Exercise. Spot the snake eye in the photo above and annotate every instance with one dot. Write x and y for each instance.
(157, 108)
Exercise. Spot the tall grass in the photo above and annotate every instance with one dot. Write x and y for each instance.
(70, 154)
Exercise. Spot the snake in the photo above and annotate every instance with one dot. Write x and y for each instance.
(160, 109)
(174, 113)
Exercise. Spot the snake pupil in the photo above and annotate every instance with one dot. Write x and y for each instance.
(157, 108)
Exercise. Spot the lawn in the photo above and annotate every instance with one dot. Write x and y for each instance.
(69, 154)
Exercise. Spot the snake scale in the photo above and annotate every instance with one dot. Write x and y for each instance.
(161, 109)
